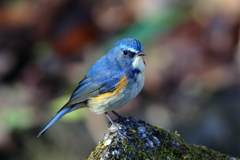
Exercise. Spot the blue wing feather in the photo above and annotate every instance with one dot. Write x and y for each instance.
(109, 85)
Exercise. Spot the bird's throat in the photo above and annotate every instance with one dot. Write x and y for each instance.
(138, 63)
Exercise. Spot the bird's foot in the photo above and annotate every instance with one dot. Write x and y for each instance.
(117, 129)
(121, 134)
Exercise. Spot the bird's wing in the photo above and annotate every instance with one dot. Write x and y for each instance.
(86, 89)
(89, 88)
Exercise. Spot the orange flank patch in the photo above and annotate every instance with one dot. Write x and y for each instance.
(120, 86)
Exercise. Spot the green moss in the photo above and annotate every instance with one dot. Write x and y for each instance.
(149, 142)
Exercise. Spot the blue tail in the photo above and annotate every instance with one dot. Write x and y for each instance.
(57, 117)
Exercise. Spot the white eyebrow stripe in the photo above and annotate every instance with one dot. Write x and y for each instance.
(133, 50)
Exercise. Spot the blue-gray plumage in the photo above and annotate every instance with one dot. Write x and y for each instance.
(112, 81)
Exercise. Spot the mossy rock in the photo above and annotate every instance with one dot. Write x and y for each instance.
(147, 142)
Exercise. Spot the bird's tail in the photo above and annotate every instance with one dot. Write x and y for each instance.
(57, 117)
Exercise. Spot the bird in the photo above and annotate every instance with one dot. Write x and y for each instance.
(113, 81)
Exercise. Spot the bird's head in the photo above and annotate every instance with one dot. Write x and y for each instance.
(129, 53)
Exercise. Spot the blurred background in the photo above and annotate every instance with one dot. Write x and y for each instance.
(192, 76)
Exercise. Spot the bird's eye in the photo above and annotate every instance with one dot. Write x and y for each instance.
(125, 52)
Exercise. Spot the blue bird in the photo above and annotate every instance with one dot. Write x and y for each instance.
(114, 80)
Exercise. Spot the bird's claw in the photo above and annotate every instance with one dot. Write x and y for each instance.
(119, 132)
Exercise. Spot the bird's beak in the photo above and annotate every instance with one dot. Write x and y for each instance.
(141, 54)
